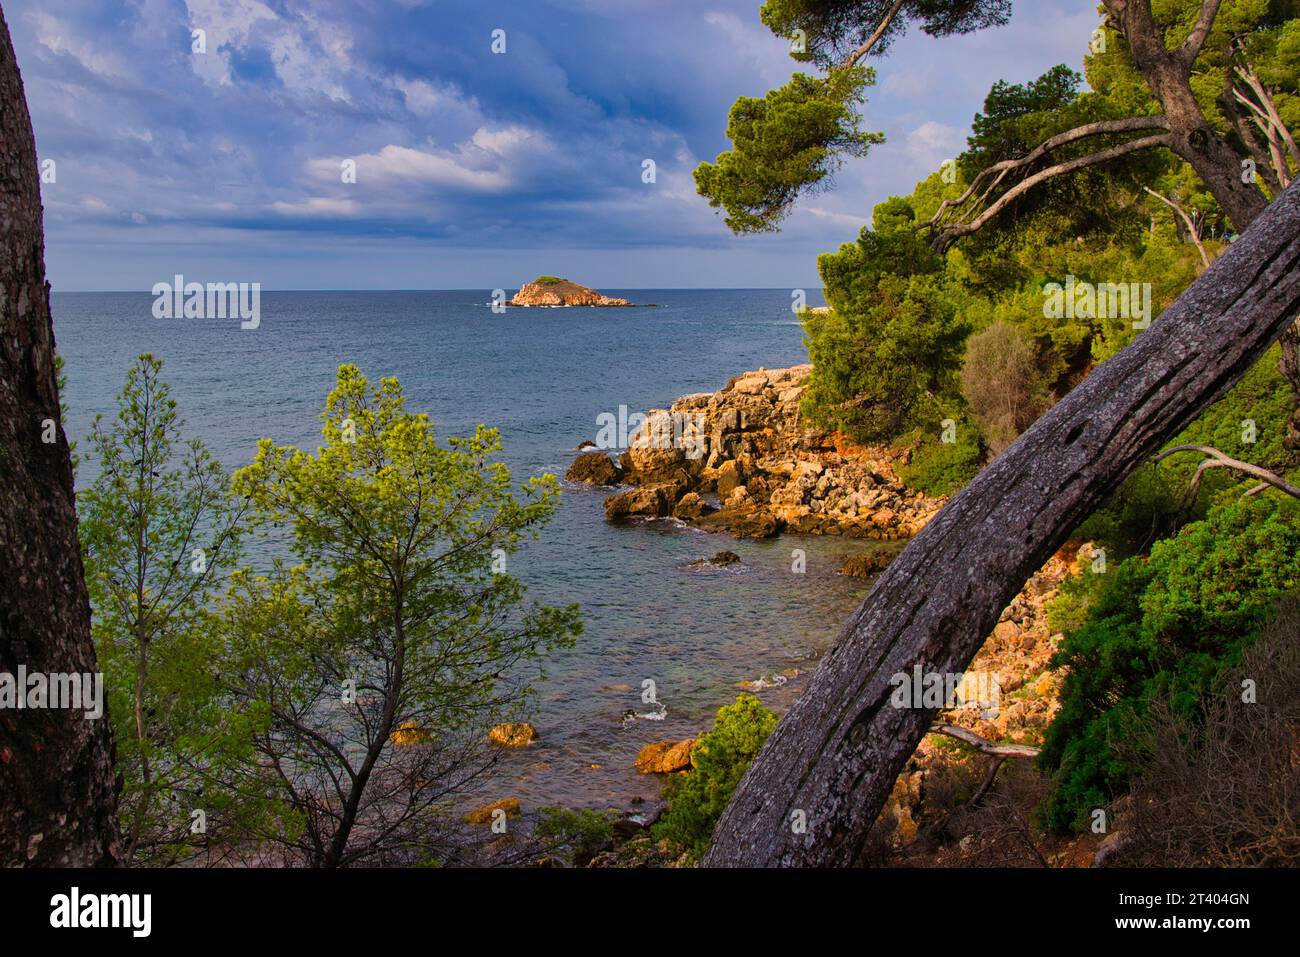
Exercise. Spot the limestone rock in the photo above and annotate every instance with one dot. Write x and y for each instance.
(665, 757)
(481, 816)
(594, 468)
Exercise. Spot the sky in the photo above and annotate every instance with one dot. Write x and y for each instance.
(474, 169)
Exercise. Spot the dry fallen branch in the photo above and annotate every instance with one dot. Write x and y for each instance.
(984, 744)
(1217, 460)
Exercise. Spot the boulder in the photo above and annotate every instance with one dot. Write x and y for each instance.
(481, 816)
(868, 564)
(514, 735)
(729, 477)
(645, 501)
(665, 757)
(720, 560)
(745, 522)
(690, 507)
(594, 468)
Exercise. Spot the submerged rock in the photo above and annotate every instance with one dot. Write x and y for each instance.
(513, 735)
(484, 815)
(720, 560)
(866, 565)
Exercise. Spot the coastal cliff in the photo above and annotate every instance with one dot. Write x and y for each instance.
(743, 460)
(553, 291)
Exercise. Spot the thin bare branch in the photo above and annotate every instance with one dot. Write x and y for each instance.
(984, 744)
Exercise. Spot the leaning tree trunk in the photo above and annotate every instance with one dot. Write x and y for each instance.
(819, 782)
(57, 795)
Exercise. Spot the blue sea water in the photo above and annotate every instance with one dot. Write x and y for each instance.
(541, 376)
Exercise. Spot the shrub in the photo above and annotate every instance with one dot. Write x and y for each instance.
(1002, 383)
(1222, 790)
(583, 833)
(1163, 627)
(942, 468)
(697, 799)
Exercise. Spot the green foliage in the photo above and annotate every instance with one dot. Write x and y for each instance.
(887, 353)
(1147, 505)
(549, 280)
(697, 799)
(156, 527)
(943, 468)
(1161, 626)
(835, 28)
(581, 834)
(401, 617)
(787, 142)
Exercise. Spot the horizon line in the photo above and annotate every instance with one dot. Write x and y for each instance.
(145, 292)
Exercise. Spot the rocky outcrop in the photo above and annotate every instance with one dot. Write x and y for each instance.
(594, 468)
(665, 757)
(552, 291)
(743, 461)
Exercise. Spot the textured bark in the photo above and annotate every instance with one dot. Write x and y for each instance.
(837, 753)
(57, 795)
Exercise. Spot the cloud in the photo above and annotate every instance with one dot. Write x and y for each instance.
(237, 151)
(931, 143)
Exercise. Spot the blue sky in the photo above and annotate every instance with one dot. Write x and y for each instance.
(474, 169)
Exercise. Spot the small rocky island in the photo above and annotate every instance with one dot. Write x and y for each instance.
(553, 291)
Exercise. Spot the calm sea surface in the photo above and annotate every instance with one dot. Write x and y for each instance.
(541, 376)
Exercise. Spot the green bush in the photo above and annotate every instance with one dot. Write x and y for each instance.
(1164, 626)
(697, 799)
(1147, 505)
(582, 834)
(943, 468)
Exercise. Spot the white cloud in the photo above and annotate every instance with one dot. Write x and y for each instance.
(931, 143)
(319, 206)
(60, 38)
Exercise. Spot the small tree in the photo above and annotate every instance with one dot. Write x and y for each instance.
(379, 663)
(156, 525)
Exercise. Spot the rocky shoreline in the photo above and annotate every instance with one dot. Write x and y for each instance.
(742, 460)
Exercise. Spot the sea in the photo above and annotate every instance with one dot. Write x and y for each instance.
(541, 376)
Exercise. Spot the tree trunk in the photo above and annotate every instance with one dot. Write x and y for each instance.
(837, 753)
(1193, 139)
(57, 795)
